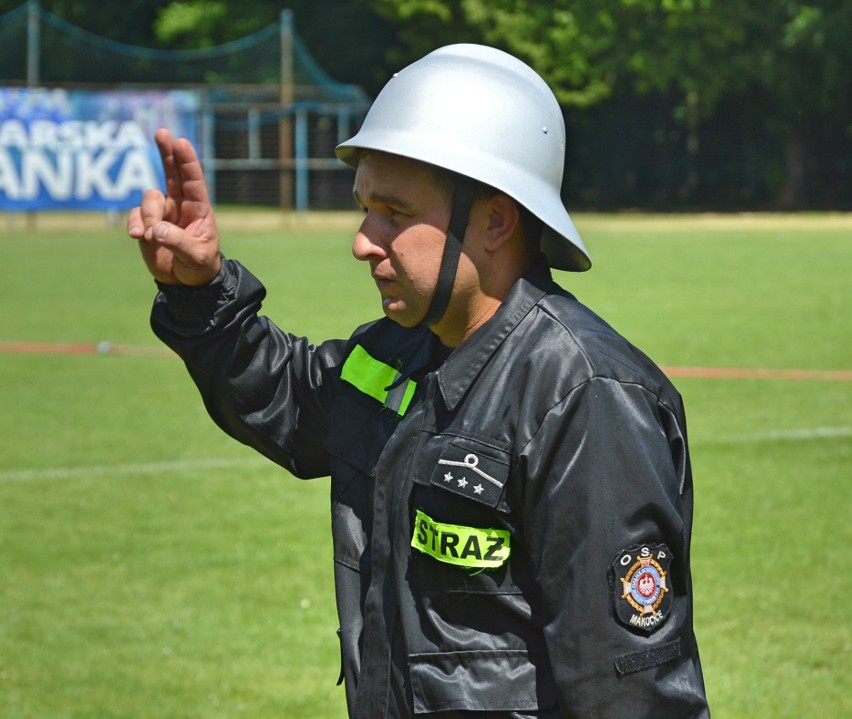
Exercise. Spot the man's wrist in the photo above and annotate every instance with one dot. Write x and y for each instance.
(188, 303)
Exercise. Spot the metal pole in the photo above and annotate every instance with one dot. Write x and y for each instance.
(343, 115)
(285, 124)
(33, 70)
(208, 138)
(301, 160)
(33, 43)
(253, 133)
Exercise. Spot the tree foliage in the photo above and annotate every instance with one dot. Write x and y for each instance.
(793, 57)
(346, 38)
(785, 65)
(565, 41)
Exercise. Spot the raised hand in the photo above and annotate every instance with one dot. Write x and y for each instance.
(177, 232)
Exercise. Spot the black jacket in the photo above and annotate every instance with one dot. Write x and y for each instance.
(511, 521)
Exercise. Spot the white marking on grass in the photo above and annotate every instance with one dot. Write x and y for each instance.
(120, 470)
(194, 465)
(780, 435)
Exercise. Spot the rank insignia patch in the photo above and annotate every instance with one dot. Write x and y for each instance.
(641, 586)
(471, 470)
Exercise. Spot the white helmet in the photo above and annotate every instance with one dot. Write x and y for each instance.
(483, 114)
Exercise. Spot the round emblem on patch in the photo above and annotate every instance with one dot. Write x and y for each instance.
(641, 590)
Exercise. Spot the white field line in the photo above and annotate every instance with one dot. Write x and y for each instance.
(779, 435)
(749, 373)
(194, 465)
(122, 470)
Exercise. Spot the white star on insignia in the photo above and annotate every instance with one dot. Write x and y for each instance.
(479, 489)
(462, 483)
(448, 477)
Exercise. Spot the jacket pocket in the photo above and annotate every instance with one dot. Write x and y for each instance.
(460, 518)
(468, 468)
(486, 680)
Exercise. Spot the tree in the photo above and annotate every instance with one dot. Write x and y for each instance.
(583, 48)
(345, 38)
(792, 56)
(803, 62)
(788, 62)
(567, 42)
(130, 23)
(692, 50)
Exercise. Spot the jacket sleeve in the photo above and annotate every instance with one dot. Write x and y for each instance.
(607, 476)
(264, 387)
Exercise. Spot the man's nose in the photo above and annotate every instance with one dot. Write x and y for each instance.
(364, 247)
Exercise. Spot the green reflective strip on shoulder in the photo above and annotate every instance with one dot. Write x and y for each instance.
(373, 377)
(467, 547)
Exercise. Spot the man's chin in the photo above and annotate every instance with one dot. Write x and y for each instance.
(400, 314)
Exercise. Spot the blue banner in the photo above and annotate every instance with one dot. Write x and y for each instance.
(85, 150)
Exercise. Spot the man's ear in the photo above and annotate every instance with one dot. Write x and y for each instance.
(504, 218)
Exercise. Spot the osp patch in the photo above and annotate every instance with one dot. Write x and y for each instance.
(641, 586)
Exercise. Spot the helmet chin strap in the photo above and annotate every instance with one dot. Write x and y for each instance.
(462, 203)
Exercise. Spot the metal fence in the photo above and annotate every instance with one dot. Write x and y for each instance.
(269, 115)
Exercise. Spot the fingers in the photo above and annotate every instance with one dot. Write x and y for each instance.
(142, 220)
(185, 182)
(184, 175)
(196, 261)
(173, 255)
(191, 256)
(193, 184)
(150, 213)
(177, 230)
(135, 226)
(149, 221)
(165, 144)
(159, 260)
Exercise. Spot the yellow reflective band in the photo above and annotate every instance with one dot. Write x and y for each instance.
(373, 378)
(467, 547)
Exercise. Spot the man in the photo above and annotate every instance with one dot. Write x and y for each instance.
(511, 488)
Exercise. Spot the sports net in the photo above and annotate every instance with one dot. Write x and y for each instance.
(270, 137)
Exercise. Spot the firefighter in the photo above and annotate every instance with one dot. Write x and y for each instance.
(511, 492)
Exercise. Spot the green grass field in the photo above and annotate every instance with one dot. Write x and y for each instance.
(150, 567)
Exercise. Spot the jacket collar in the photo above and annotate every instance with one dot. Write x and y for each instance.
(461, 368)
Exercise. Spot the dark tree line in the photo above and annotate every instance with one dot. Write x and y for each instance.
(669, 103)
